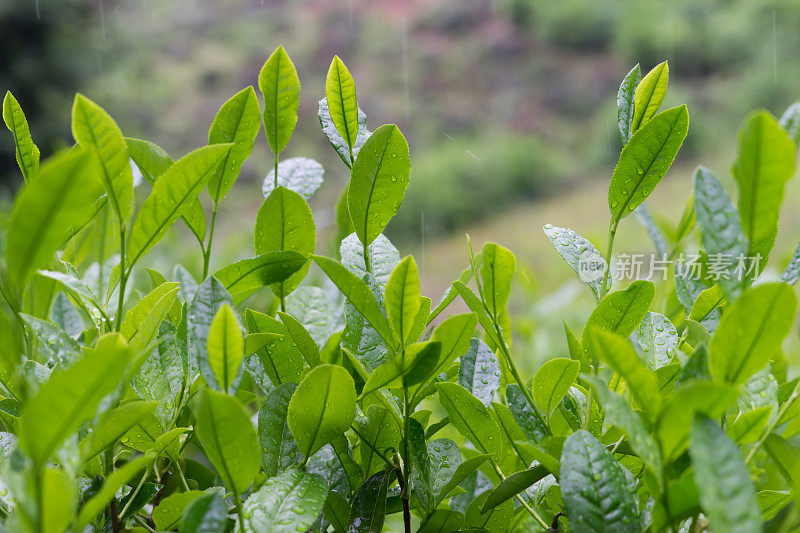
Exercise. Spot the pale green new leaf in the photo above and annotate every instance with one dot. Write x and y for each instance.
(471, 418)
(142, 322)
(280, 85)
(266, 269)
(402, 298)
(225, 347)
(289, 502)
(114, 425)
(322, 407)
(645, 160)
(237, 122)
(378, 182)
(494, 520)
(552, 382)
(26, 151)
(229, 439)
(412, 366)
(94, 129)
(171, 197)
(340, 93)
(649, 94)
(764, 163)
(751, 332)
(497, 268)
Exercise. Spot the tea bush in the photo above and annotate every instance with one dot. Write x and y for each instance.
(207, 405)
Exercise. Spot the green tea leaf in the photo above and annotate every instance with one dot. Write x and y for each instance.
(168, 513)
(62, 348)
(403, 298)
(454, 334)
(57, 505)
(153, 162)
(645, 160)
(764, 163)
(94, 129)
(142, 322)
(336, 140)
(435, 470)
(792, 272)
(206, 514)
(494, 520)
(302, 338)
(229, 439)
(288, 502)
(552, 382)
(237, 122)
(723, 481)
(113, 483)
(479, 371)
(442, 521)
(378, 182)
(471, 418)
(381, 433)
(625, 102)
(163, 373)
(282, 359)
(45, 209)
(26, 151)
(171, 197)
(225, 348)
(71, 397)
(577, 252)
(770, 502)
(790, 121)
(412, 366)
(383, 257)
(593, 485)
(749, 425)
(285, 223)
(278, 450)
(299, 174)
(322, 407)
(268, 268)
(786, 457)
(513, 485)
(280, 86)
(368, 508)
(340, 94)
(463, 471)
(527, 417)
(751, 331)
(644, 218)
(497, 268)
(658, 339)
(649, 94)
(116, 424)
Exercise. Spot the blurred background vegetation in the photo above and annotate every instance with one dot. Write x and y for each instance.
(508, 105)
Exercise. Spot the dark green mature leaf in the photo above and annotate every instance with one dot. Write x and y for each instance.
(368, 508)
(152, 162)
(71, 397)
(280, 86)
(645, 160)
(336, 140)
(278, 449)
(723, 481)
(790, 121)
(289, 502)
(764, 163)
(792, 272)
(514, 484)
(410, 367)
(27, 153)
(649, 94)
(497, 268)
(206, 514)
(322, 407)
(463, 471)
(267, 269)
(281, 358)
(94, 129)
(237, 122)
(337, 512)
(751, 331)
(644, 218)
(552, 382)
(228, 438)
(442, 521)
(359, 294)
(594, 488)
(62, 348)
(471, 418)
(403, 298)
(299, 174)
(208, 299)
(64, 191)
(433, 471)
(163, 373)
(479, 371)
(340, 94)
(619, 354)
(720, 229)
(171, 197)
(625, 102)
(526, 416)
(378, 182)
(578, 253)
(225, 348)
(495, 519)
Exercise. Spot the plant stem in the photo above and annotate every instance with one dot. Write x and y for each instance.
(123, 278)
(772, 425)
(112, 505)
(207, 250)
(367, 266)
(612, 232)
(406, 472)
(239, 510)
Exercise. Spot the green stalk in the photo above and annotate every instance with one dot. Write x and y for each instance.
(612, 232)
(123, 279)
(773, 424)
(207, 250)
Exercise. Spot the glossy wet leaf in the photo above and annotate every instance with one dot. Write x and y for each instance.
(658, 339)
(229, 439)
(114, 425)
(792, 272)
(280, 86)
(95, 130)
(225, 348)
(171, 197)
(526, 416)
(26, 151)
(335, 138)
(751, 331)
(162, 374)
(513, 485)
(412, 366)
(322, 407)
(650, 92)
(442, 521)
(299, 174)
(278, 449)
(494, 520)
(479, 371)
(142, 322)
(594, 487)
(71, 397)
(289, 502)
(113, 483)
(645, 218)
(577, 252)
(552, 382)
(237, 122)
(208, 299)
(378, 182)
(764, 163)
(281, 358)
(62, 348)
(471, 418)
(723, 480)
(625, 102)
(266, 269)
(645, 160)
(442, 461)
(340, 95)
(497, 269)
(167, 514)
(206, 514)
(402, 298)
(64, 190)
(383, 257)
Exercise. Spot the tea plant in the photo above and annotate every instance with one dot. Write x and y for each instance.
(209, 405)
